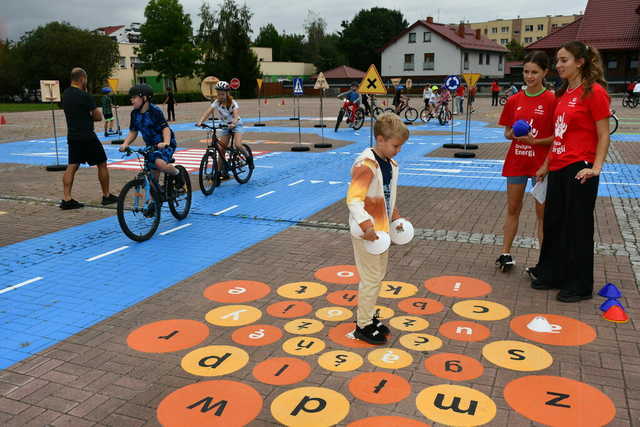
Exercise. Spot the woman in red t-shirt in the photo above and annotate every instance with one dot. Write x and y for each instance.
(573, 165)
(527, 153)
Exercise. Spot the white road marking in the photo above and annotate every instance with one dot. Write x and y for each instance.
(164, 233)
(121, 248)
(296, 183)
(225, 210)
(26, 282)
(265, 194)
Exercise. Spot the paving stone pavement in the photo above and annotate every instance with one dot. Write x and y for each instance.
(96, 377)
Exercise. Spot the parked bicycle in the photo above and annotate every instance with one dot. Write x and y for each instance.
(354, 119)
(140, 200)
(219, 160)
(410, 113)
(377, 111)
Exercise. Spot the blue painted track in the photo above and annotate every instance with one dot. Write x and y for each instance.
(73, 292)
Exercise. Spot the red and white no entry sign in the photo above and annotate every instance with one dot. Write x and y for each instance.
(234, 83)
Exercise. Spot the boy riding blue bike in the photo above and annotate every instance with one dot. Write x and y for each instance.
(149, 120)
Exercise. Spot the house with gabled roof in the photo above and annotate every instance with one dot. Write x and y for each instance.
(428, 50)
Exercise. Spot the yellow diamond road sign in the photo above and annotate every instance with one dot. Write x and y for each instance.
(471, 78)
(372, 83)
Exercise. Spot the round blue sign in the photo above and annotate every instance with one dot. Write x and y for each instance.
(452, 82)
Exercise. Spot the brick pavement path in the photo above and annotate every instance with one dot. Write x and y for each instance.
(94, 378)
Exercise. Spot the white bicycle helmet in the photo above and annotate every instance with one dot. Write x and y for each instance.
(222, 85)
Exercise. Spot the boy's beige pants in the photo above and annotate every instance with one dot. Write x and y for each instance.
(372, 269)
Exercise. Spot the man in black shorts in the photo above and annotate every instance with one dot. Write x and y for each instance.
(84, 146)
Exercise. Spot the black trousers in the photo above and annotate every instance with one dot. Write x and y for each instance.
(171, 113)
(494, 99)
(566, 255)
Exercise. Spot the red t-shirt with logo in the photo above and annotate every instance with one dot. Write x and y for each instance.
(576, 136)
(525, 159)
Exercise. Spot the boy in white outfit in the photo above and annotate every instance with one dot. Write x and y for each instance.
(371, 199)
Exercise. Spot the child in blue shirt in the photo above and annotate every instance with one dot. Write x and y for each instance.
(149, 120)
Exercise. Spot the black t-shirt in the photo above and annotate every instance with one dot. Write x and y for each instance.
(170, 98)
(78, 105)
(387, 172)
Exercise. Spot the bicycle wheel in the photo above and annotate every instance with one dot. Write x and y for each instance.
(626, 102)
(425, 115)
(502, 100)
(390, 110)
(359, 119)
(179, 198)
(613, 124)
(242, 164)
(138, 210)
(339, 119)
(377, 112)
(442, 117)
(411, 114)
(208, 173)
(634, 102)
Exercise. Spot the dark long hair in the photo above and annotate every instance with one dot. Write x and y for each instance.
(592, 70)
(538, 57)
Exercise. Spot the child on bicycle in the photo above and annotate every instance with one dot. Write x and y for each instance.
(106, 111)
(443, 99)
(353, 101)
(228, 111)
(148, 119)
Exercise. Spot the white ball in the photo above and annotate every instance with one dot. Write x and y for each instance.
(379, 246)
(401, 237)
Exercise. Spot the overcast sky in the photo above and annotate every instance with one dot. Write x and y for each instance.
(18, 16)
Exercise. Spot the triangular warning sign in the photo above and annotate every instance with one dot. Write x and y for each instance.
(372, 83)
(321, 82)
(471, 78)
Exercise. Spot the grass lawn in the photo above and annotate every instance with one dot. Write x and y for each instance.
(19, 107)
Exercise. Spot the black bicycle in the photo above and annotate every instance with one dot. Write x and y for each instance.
(613, 122)
(219, 160)
(140, 201)
(630, 101)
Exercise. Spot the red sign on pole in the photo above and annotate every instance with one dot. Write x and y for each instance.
(234, 83)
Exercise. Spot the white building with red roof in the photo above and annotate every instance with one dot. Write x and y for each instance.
(428, 50)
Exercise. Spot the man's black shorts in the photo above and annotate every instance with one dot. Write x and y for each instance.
(86, 150)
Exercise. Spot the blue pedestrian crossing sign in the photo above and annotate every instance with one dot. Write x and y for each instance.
(452, 82)
(297, 86)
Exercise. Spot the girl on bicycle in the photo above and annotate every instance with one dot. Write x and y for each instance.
(535, 105)
(575, 161)
(228, 111)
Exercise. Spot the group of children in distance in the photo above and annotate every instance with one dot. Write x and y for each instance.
(566, 144)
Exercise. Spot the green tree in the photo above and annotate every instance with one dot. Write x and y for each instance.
(516, 51)
(50, 52)
(363, 38)
(10, 77)
(268, 36)
(331, 55)
(292, 48)
(226, 35)
(167, 41)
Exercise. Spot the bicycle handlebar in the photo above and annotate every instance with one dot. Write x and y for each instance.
(219, 126)
(145, 150)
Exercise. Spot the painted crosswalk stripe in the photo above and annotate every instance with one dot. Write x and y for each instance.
(164, 233)
(296, 182)
(26, 282)
(121, 248)
(225, 210)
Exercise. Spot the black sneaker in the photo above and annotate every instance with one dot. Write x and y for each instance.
(379, 326)
(370, 334)
(531, 272)
(107, 200)
(70, 204)
(505, 262)
(570, 296)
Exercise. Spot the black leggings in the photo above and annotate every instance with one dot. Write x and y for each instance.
(171, 113)
(494, 99)
(566, 256)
